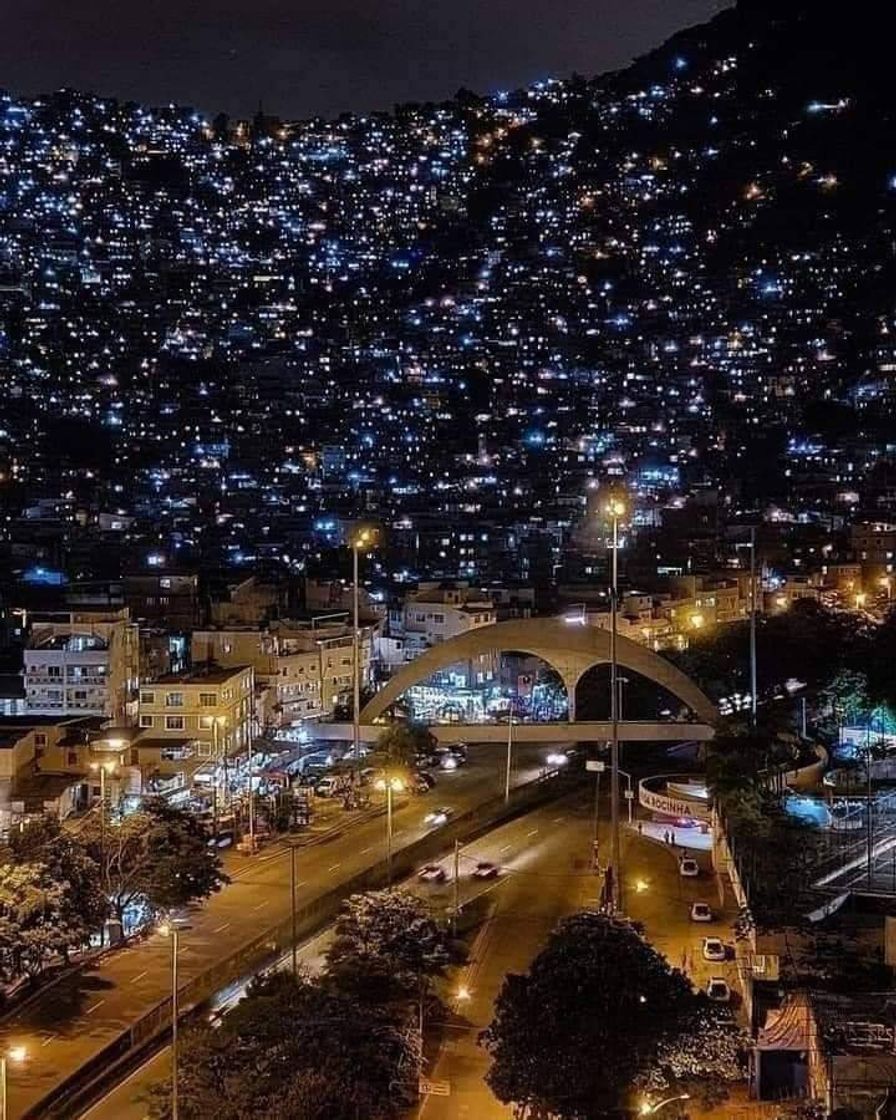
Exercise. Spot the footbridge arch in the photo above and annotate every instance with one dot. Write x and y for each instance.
(569, 648)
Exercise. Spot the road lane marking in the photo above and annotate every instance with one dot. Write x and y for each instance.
(534, 832)
(506, 848)
(220, 929)
(90, 1010)
(48, 1040)
(559, 820)
(335, 867)
(259, 906)
(364, 851)
(139, 976)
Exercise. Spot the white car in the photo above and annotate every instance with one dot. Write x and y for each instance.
(701, 912)
(688, 868)
(432, 873)
(718, 990)
(438, 816)
(714, 949)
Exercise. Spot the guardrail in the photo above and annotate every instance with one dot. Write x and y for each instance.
(102, 1070)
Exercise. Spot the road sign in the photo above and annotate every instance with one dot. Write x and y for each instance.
(429, 1088)
(595, 765)
(629, 795)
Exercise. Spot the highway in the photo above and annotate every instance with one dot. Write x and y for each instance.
(544, 875)
(72, 1020)
(547, 876)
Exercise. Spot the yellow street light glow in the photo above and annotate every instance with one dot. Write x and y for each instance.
(108, 766)
(117, 744)
(616, 507)
(463, 993)
(641, 885)
(395, 784)
(697, 621)
(165, 929)
(16, 1054)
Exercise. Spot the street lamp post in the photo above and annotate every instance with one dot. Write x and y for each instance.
(169, 929)
(215, 761)
(251, 794)
(293, 848)
(390, 785)
(616, 509)
(103, 768)
(754, 699)
(364, 538)
(16, 1054)
(509, 754)
(629, 793)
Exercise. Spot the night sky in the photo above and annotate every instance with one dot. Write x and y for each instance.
(301, 57)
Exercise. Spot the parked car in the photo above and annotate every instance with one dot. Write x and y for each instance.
(485, 870)
(714, 949)
(688, 868)
(701, 912)
(432, 873)
(717, 990)
(330, 786)
(422, 782)
(439, 816)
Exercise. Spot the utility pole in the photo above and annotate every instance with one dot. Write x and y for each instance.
(293, 848)
(356, 662)
(456, 883)
(753, 688)
(509, 754)
(215, 761)
(617, 509)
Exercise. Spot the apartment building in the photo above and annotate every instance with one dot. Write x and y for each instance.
(202, 706)
(82, 663)
(304, 667)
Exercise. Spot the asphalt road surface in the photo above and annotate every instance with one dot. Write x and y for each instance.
(544, 874)
(71, 1021)
(547, 876)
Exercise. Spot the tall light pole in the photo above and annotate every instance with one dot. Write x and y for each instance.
(16, 1054)
(390, 785)
(362, 540)
(293, 848)
(169, 929)
(509, 754)
(249, 761)
(215, 761)
(103, 768)
(616, 509)
(753, 688)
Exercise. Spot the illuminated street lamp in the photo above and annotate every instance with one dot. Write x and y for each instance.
(170, 929)
(390, 785)
(16, 1055)
(615, 509)
(217, 722)
(648, 1109)
(363, 540)
(104, 768)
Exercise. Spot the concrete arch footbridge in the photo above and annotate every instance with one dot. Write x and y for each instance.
(571, 650)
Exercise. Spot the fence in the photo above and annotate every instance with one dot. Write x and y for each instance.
(105, 1067)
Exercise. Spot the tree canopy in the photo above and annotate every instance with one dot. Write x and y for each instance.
(386, 942)
(599, 1012)
(157, 858)
(294, 1049)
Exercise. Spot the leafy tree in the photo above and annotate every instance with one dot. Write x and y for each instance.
(387, 944)
(37, 920)
(66, 862)
(400, 743)
(294, 1050)
(572, 1037)
(158, 858)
